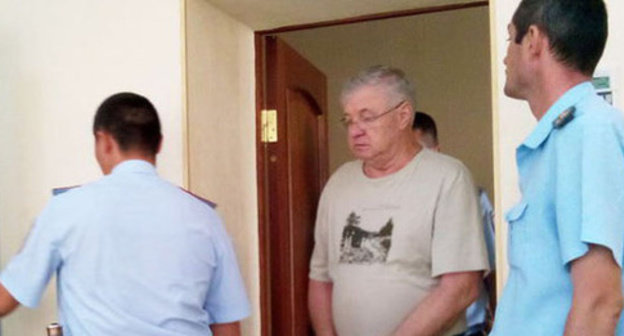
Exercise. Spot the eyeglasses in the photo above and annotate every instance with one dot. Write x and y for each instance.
(366, 121)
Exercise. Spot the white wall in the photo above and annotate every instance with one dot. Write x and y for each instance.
(614, 52)
(512, 118)
(58, 61)
(222, 132)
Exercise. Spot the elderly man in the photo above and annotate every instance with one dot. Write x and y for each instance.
(567, 231)
(133, 254)
(399, 246)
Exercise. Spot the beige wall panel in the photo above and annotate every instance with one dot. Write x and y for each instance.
(221, 126)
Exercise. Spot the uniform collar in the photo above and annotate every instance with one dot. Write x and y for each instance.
(545, 125)
(134, 166)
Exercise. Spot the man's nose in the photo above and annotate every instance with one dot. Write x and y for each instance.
(355, 129)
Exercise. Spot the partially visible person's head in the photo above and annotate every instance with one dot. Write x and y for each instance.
(576, 29)
(131, 121)
(377, 106)
(425, 131)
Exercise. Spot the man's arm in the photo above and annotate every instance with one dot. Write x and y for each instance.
(226, 329)
(320, 305)
(443, 305)
(7, 301)
(597, 300)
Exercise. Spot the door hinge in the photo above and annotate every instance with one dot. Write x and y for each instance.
(269, 126)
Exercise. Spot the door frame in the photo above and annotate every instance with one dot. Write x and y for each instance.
(264, 237)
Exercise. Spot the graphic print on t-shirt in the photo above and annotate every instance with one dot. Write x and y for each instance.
(359, 246)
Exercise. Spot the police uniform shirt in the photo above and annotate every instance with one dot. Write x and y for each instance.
(133, 255)
(571, 172)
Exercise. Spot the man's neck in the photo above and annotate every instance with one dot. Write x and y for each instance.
(148, 158)
(550, 87)
(392, 161)
(129, 156)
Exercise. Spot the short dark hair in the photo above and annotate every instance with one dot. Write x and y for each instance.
(577, 29)
(426, 124)
(132, 121)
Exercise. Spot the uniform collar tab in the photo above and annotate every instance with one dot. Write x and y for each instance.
(558, 115)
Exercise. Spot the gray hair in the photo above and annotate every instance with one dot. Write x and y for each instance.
(392, 79)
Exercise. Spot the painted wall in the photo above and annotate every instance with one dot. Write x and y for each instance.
(221, 116)
(614, 52)
(446, 55)
(58, 61)
(512, 118)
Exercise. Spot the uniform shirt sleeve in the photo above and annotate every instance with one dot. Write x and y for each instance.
(457, 243)
(28, 273)
(487, 217)
(319, 263)
(590, 189)
(226, 300)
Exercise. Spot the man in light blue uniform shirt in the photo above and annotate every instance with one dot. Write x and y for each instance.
(133, 254)
(566, 235)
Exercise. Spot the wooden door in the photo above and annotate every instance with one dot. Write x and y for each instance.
(292, 172)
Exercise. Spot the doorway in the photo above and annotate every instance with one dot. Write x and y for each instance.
(445, 53)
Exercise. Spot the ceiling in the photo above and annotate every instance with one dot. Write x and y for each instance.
(270, 14)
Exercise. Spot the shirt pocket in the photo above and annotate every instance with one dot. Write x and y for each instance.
(517, 233)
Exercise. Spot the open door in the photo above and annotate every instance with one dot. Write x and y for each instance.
(292, 171)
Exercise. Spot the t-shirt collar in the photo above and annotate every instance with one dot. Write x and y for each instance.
(545, 125)
(134, 166)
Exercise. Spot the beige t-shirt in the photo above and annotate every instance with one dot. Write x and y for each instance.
(383, 242)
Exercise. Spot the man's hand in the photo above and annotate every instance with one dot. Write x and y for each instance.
(320, 305)
(597, 301)
(7, 302)
(226, 329)
(443, 305)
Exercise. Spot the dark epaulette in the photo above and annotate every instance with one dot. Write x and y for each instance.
(60, 190)
(564, 118)
(210, 203)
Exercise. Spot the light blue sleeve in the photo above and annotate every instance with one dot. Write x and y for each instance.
(28, 273)
(590, 189)
(487, 214)
(226, 300)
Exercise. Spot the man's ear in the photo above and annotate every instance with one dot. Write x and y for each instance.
(405, 115)
(536, 41)
(108, 144)
(159, 145)
(104, 141)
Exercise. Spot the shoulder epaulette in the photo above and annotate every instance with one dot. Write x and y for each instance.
(209, 202)
(60, 190)
(564, 118)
